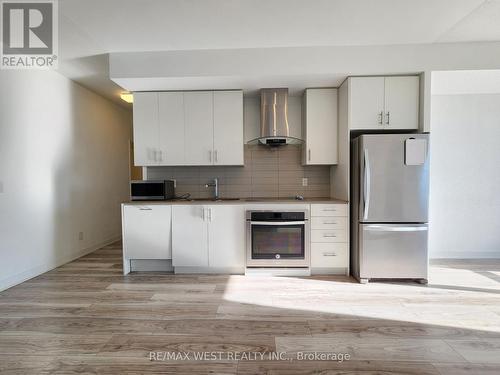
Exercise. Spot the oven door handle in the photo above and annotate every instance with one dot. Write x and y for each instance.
(277, 223)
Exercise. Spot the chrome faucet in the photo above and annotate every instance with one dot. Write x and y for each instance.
(215, 184)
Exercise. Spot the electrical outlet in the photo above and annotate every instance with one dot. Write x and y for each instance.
(305, 181)
(80, 236)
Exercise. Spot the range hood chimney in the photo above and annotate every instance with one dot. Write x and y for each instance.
(274, 130)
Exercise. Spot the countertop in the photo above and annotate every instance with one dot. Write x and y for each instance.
(241, 201)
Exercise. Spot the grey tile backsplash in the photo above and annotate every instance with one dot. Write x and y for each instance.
(268, 173)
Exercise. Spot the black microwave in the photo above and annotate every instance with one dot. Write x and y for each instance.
(146, 190)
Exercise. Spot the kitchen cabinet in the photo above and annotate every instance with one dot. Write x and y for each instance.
(401, 102)
(366, 101)
(208, 236)
(171, 127)
(329, 239)
(146, 232)
(383, 103)
(146, 132)
(319, 127)
(199, 128)
(226, 236)
(188, 128)
(228, 128)
(189, 236)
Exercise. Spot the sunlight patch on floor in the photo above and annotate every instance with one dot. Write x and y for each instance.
(455, 297)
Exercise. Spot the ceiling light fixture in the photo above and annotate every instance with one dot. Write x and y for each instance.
(127, 96)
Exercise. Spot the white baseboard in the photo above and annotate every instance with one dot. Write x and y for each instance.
(16, 279)
(210, 270)
(290, 271)
(465, 255)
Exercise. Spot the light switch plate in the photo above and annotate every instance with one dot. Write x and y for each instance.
(305, 182)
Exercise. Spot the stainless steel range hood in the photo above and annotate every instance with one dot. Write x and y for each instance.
(274, 129)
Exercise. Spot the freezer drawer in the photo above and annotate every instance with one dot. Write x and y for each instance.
(393, 251)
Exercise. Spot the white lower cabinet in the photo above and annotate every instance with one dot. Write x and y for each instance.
(329, 239)
(208, 236)
(146, 233)
(334, 255)
(226, 236)
(189, 236)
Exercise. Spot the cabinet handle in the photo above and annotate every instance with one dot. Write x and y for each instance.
(209, 214)
(204, 214)
(145, 209)
(161, 155)
(388, 118)
(329, 209)
(216, 156)
(329, 235)
(309, 154)
(380, 116)
(329, 222)
(210, 156)
(329, 254)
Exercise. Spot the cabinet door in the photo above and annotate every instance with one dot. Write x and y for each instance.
(189, 236)
(171, 128)
(226, 236)
(146, 133)
(199, 127)
(366, 102)
(401, 102)
(228, 128)
(321, 126)
(147, 232)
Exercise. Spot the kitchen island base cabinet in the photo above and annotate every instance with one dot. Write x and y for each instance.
(146, 233)
(208, 239)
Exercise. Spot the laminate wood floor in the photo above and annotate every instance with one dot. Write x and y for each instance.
(87, 318)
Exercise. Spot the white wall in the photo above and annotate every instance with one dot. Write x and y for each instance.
(465, 166)
(63, 170)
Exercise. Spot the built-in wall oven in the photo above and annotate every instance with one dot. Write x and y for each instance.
(278, 238)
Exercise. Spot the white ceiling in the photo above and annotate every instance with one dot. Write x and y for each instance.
(92, 28)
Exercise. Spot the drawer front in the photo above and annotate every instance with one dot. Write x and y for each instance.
(328, 235)
(329, 223)
(329, 210)
(324, 255)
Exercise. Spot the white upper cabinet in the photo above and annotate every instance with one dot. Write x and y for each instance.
(401, 102)
(383, 102)
(188, 128)
(228, 128)
(199, 127)
(146, 142)
(171, 127)
(320, 128)
(366, 102)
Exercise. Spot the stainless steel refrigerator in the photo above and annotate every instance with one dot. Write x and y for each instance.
(390, 193)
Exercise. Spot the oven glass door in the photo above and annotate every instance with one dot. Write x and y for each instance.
(278, 240)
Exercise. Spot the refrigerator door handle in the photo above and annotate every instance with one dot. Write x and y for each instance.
(366, 187)
(386, 228)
